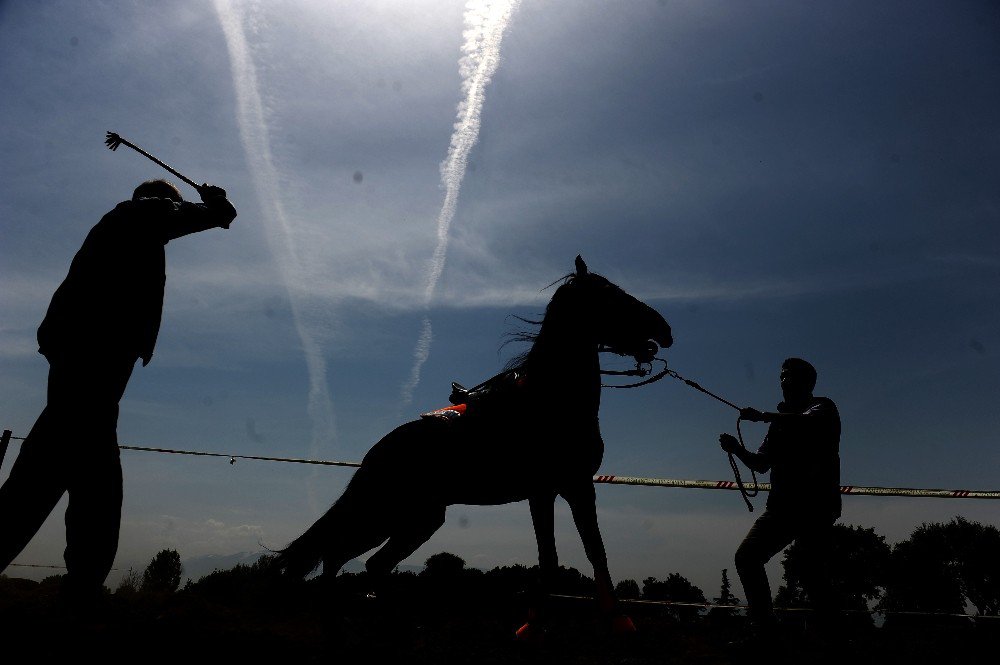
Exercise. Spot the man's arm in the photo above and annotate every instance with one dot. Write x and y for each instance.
(759, 462)
(180, 219)
(755, 416)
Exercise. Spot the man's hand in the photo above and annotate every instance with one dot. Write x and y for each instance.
(753, 415)
(211, 192)
(729, 443)
(215, 198)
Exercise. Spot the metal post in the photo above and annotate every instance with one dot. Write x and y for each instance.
(4, 442)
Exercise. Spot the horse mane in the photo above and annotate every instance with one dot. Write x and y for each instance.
(531, 336)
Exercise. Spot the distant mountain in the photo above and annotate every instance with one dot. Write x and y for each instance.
(197, 567)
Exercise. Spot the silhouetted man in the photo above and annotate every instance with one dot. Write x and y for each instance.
(102, 318)
(802, 452)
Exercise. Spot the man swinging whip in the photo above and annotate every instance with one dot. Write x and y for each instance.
(102, 318)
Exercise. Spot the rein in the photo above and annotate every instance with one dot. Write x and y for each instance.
(643, 369)
(747, 495)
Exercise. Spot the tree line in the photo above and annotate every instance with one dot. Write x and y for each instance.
(942, 567)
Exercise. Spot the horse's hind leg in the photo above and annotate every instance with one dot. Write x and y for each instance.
(413, 531)
(353, 545)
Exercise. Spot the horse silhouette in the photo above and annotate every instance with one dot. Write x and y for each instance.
(536, 439)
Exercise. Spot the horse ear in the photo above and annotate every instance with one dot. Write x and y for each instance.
(581, 267)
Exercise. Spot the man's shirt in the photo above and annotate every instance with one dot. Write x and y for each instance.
(112, 297)
(804, 457)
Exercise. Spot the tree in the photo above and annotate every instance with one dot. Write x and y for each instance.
(443, 564)
(163, 574)
(627, 589)
(976, 549)
(675, 588)
(130, 583)
(52, 580)
(943, 566)
(726, 596)
(243, 581)
(858, 564)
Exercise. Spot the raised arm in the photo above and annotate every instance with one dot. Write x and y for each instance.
(176, 219)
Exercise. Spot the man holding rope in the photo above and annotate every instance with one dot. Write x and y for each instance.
(102, 318)
(802, 452)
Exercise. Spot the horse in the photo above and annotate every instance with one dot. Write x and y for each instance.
(538, 439)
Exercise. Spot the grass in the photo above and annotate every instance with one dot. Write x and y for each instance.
(241, 614)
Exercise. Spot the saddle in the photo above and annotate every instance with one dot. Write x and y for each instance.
(489, 397)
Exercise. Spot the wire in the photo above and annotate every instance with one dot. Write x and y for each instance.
(738, 606)
(854, 490)
(233, 458)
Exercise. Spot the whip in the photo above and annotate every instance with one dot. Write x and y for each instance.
(114, 140)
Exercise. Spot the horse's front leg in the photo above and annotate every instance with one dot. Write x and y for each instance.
(543, 518)
(583, 502)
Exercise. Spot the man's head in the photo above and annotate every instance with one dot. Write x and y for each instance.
(798, 378)
(157, 189)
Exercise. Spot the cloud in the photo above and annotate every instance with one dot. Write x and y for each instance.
(485, 23)
(255, 134)
(420, 355)
(189, 537)
(969, 259)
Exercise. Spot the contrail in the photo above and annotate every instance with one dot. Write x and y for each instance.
(485, 23)
(420, 355)
(257, 146)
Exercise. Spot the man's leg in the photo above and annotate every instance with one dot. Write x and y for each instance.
(816, 542)
(93, 518)
(93, 515)
(768, 536)
(36, 483)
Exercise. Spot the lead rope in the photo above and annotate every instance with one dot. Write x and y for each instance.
(736, 472)
(747, 495)
(641, 371)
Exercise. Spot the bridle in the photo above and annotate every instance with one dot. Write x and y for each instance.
(642, 369)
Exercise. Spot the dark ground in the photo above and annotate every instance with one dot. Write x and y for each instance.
(313, 623)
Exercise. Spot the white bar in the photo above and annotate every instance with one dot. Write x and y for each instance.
(766, 487)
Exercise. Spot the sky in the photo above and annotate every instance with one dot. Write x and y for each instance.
(777, 179)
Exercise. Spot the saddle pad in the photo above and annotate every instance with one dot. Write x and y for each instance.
(446, 413)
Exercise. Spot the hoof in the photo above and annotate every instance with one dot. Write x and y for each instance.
(529, 634)
(622, 625)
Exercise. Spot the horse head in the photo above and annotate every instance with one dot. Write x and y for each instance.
(615, 319)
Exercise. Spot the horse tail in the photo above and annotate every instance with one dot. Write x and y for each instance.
(304, 554)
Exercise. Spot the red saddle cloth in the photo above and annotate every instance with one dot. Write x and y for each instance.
(446, 413)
